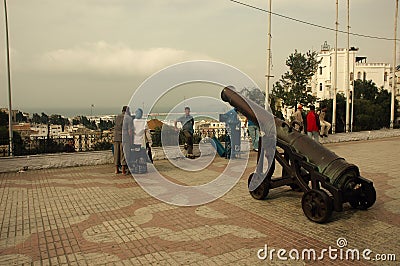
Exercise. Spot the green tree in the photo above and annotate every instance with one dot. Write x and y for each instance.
(59, 120)
(19, 117)
(371, 106)
(340, 111)
(254, 94)
(55, 119)
(93, 125)
(44, 119)
(292, 86)
(105, 124)
(3, 118)
(76, 121)
(36, 118)
(84, 121)
(19, 146)
(365, 89)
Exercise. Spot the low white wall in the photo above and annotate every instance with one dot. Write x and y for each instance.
(55, 160)
(59, 160)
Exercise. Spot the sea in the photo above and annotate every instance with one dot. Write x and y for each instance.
(160, 114)
(73, 112)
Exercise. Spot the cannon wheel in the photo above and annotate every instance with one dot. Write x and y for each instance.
(317, 205)
(261, 192)
(366, 199)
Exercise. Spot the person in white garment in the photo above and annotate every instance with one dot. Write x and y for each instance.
(141, 141)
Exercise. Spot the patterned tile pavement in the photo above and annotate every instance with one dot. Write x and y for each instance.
(89, 216)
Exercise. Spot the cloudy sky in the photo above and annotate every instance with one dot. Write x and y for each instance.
(71, 54)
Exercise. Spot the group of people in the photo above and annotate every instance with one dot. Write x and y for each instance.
(131, 141)
(131, 132)
(314, 123)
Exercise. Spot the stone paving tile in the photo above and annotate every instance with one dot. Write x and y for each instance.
(89, 216)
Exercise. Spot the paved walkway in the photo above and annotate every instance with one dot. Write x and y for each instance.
(89, 216)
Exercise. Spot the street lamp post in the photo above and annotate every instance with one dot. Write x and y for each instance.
(392, 102)
(268, 76)
(10, 131)
(354, 49)
(335, 70)
(348, 69)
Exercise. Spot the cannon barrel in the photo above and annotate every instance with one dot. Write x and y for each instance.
(328, 163)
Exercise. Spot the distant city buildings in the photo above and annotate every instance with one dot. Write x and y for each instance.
(40, 135)
(34, 133)
(84, 139)
(211, 127)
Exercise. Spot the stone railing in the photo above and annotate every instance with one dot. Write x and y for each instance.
(54, 160)
(373, 64)
(60, 160)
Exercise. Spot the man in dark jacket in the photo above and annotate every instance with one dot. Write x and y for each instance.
(187, 122)
(122, 138)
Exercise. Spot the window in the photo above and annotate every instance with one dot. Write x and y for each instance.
(385, 76)
(364, 76)
(320, 70)
(359, 75)
(330, 61)
(320, 87)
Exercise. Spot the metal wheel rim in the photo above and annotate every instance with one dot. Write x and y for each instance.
(316, 206)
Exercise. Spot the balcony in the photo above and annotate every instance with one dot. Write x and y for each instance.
(372, 65)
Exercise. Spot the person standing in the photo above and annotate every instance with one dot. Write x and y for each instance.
(312, 124)
(298, 118)
(122, 138)
(187, 122)
(253, 133)
(141, 138)
(325, 126)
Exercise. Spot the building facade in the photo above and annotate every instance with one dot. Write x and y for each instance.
(323, 81)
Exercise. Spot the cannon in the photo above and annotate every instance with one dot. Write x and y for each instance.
(327, 180)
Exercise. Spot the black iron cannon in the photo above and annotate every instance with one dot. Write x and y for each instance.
(326, 179)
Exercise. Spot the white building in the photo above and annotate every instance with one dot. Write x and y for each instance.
(55, 130)
(322, 82)
(39, 129)
(102, 118)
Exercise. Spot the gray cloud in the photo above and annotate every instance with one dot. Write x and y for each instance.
(98, 50)
(112, 59)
